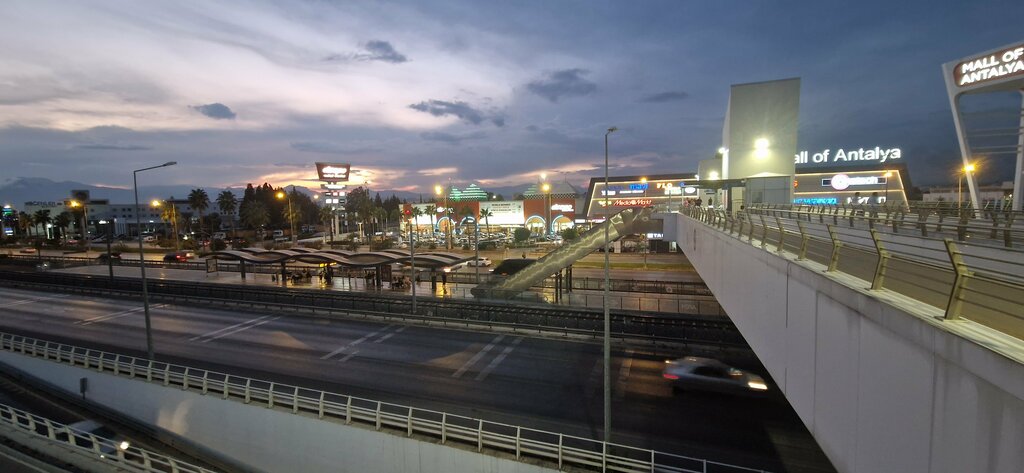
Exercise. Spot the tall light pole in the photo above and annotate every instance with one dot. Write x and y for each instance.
(546, 188)
(607, 294)
(412, 261)
(960, 185)
(291, 214)
(887, 175)
(447, 230)
(142, 256)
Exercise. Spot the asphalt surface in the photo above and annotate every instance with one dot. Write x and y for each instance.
(548, 384)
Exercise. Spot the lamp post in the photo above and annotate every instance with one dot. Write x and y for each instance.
(887, 175)
(291, 214)
(412, 263)
(142, 256)
(607, 294)
(960, 185)
(85, 223)
(546, 188)
(110, 235)
(447, 230)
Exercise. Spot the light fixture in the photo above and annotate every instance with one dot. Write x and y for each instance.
(437, 189)
(762, 143)
(154, 203)
(643, 180)
(969, 168)
(713, 175)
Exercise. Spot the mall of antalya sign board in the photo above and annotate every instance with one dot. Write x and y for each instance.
(998, 65)
(852, 156)
(333, 172)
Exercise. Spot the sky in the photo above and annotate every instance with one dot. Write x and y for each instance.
(416, 93)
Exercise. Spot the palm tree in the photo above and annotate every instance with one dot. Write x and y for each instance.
(464, 212)
(42, 218)
(255, 214)
(199, 201)
(486, 215)
(292, 215)
(62, 221)
(25, 223)
(432, 210)
(228, 203)
(326, 216)
(416, 214)
(169, 214)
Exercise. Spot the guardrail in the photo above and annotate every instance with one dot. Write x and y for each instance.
(999, 228)
(648, 328)
(558, 450)
(99, 448)
(981, 283)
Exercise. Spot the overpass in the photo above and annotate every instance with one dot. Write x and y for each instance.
(899, 352)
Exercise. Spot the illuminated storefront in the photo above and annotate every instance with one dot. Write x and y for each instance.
(641, 191)
(845, 187)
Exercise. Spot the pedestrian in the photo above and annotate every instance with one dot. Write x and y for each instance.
(444, 279)
(524, 255)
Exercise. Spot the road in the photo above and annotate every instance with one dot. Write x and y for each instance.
(548, 384)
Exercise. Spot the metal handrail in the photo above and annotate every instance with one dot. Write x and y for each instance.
(556, 448)
(133, 457)
(981, 283)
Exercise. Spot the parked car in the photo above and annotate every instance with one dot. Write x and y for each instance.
(278, 234)
(109, 257)
(177, 257)
(479, 262)
(219, 235)
(455, 267)
(708, 374)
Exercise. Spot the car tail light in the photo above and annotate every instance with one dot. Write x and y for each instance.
(669, 376)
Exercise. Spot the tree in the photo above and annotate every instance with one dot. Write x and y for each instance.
(570, 234)
(169, 214)
(326, 216)
(42, 218)
(432, 210)
(199, 201)
(62, 221)
(228, 203)
(522, 234)
(25, 223)
(292, 215)
(255, 215)
(416, 214)
(486, 215)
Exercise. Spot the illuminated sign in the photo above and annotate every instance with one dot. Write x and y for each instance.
(842, 181)
(999, 65)
(505, 212)
(638, 187)
(39, 203)
(562, 207)
(843, 156)
(333, 171)
(690, 190)
(628, 202)
(817, 201)
(332, 186)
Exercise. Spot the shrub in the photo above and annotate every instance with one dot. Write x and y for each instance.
(521, 234)
(218, 245)
(488, 245)
(570, 234)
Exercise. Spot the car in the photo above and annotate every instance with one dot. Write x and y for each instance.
(177, 257)
(511, 266)
(27, 250)
(109, 257)
(278, 234)
(455, 267)
(148, 239)
(113, 442)
(219, 236)
(479, 262)
(693, 373)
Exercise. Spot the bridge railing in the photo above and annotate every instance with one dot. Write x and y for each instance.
(122, 456)
(978, 282)
(557, 449)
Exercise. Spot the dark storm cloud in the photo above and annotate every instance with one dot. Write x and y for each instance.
(564, 83)
(665, 97)
(217, 111)
(104, 147)
(462, 110)
(329, 148)
(451, 138)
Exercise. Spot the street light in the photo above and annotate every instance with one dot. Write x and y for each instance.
(607, 294)
(142, 256)
(546, 188)
(887, 175)
(291, 215)
(959, 188)
(447, 235)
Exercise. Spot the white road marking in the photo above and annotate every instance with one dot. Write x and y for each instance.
(350, 355)
(385, 337)
(476, 358)
(352, 344)
(620, 385)
(35, 299)
(257, 319)
(115, 315)
(498, 359)
(241, 329)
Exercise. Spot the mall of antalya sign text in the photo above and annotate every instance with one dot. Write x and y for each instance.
(1000, 65)
(843, 156)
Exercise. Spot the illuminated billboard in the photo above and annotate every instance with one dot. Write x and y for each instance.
(1003, 64)
(334, 172)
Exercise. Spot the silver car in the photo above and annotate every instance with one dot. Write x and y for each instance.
(707, 374)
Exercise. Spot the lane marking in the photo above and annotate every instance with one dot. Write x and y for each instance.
(257, 319)
(35, 299)
(620, 384)
(498, 359)
(352, 344)
(350, 355)
(241, 329)
(476, 358)
(385, 337)
(116, 315)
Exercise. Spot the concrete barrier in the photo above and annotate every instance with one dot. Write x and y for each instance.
(879, 380)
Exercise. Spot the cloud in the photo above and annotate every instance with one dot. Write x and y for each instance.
(383, 51)
(564, 83)
(462, 110)
(439, 171)
(217, 111)
(672, 96)
(451, 138)
(114, 147)
(329, 148)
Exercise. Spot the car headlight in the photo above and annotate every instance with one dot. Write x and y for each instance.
(124, 445)
(757, 385)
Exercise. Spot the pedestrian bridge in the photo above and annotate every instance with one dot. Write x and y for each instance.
(899, 352)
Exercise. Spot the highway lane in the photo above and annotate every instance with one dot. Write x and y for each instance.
(547, 384)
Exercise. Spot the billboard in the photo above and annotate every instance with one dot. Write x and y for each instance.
(505, 212)
(1001, 64)
(333, 172)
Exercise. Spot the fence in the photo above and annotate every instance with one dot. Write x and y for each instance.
(558, 450)
(981, 283)
(119, 455)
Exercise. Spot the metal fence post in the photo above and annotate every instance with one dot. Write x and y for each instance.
(802, 255)
(833, 262)
(480, 436)
(764, 232)
(883, 260)
(962, 273)
(782, 235)
(444, 425)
